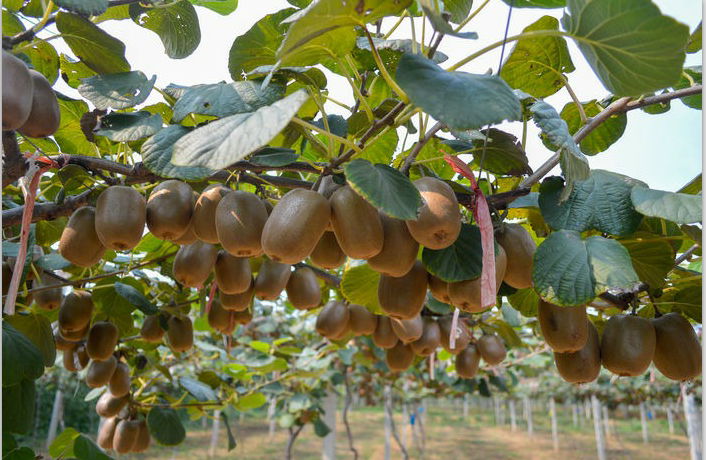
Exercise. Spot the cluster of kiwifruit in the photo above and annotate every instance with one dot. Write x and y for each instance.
(628, 345)
(29, 104)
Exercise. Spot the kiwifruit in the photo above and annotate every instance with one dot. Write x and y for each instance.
(463, 335)
(121, 213)
(491, 349)
(439, 289)
(384, 336)
(271, 279)
(218, 317)
(677, 349)
(180, 333)
(109, 405)
(628, 345)
(17, 92)
(238, 302)
(82, 355)
(44, 117)
(519, 248)
(189, 236)
(63, 344)
(204, 219)
(403, 297)
(467, 361)
(119, 384)
(346, 332)
(399, 357)
(240, 218)
(466, 294)
(6, 277)
(328, 186)
(584, 365)
(51, 298)
(70, 360)
(79, 243)
(193, 263)
(101, 341)
(438, 221)
(430, 339)
(564, 328)
(169, 209)
(151, 330)
(303, 289)
(100, 372)
(143, 437)
(125, 436)
(232, 274)
(362, 320)
(327, 253)
(75, 336)
(242, 317)
(106, 433)
(399, 249)
(332, 319)
(408, 330)
(75, 311)
(356, 224)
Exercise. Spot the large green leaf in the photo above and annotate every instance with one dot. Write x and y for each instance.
(45, 60)
(86, 449)
(359, 285)
(126, 127)
(225, 141)
(117, 91)
(177, 26)
(73, 72)
(274, 156)
(604, 135)
(436, 18)
(631, 46)
(651, 257)
(84, 7)
(165, 426)
(461, 261)
(382, 148)
(37, 329)
(136, 298)
(537, 64)
(305, 75)
(222, 7)
(689, 300)
(503, 154)
(250, 402)
(384, 187)
(390, 52)
(526, 301)
(157, 155)
(694, 43)
(198, 390)
(460, 100)
(18, 402)
(695, 75)
(63, 443)
(459, 9)
(677, 207)
(69, 136)
(21, 359)
(549, 4)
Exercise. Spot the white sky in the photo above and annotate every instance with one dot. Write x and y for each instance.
(663, 150)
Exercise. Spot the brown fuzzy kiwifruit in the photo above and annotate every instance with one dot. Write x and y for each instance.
(6, 277)
(332, 319)
(189, 236)
(584, 365)
(151, 331)
(564, 328)
(384, 336)
(63, 344)
(180, 333)
(303, 289)
(519, 248)
(467, 362)
(438, 221)
(463, 335)
(169, 209)
(218, 317)
(51, 298)
(403, 297)
(82, 356)
(345, 333)
(356, 224)
(101, 341)
(238, 302)
(232, 274)
(204, 218)
(491, 349)
(100, 372)
(628, 345)
(70, 360)
(242, 317)
(677, 349)
(109, 405)
(44, 117)
(327, 253)
(295, 226)
(439, 289)
(193, 263)
(75, 311)
(106, 433)
(143, 438)
(79, 243)
(399, 357)
(362, 320)
(399, 249)
(125, 436)
(271, 279)
(17, 92)
(240, 219)
(121, 213)
(75, 336)
(119, 384)
(466, 294)
(408, 330)
(430, 339)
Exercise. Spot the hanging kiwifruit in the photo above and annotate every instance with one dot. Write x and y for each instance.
(193, 263)
(564, 328)
(408, 330)
(189, 236)
(44, 117)
(204, 219)
(403, 297)
(346, 332)
(463, 335)
(399, 249)
(491, 349)
(75, 359)
(151, 330)
(677, 349)
(51, 298)
(439, 289)
(101, 341)
(399, 357)
(109, 405)
(242, 317)
(430, 339)
(121, 213)
(119, 384)
(125, 436)
(271, 279)
(75, 336)
(169, 209)
(331, 320)
(75, 311)
(356, 224)
(584, 365)
(218, 317)
(61, 343)
(143, 437)
(240, 219)
(232, 274)
(519, 248)
(327, 253)
(467, 362)
(100, 372)
(438, 221)
(238, 302)
(362, 320)
(384, 336)
(17, 92)
(79, 243)
(303, 289)
(466, 294)
(180, 333)
(627, 345)
(106, 433)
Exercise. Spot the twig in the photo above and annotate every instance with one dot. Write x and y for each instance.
(686, 254)
(388, 409)
(418, 147)
(348, 401)
(329, 278)
(290, 443)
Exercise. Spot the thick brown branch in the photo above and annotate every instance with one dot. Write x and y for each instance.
(46, 211)
(14, 164)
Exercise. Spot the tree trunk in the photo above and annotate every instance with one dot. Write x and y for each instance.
(555, 433)
(693, 424)
(670, 418)
(600, 447)
(406, 435)
(513, 419)
(293, 433)
(643, 420)
(215, 428)
(528, 414)
(606, 422)
(329, 442)
(56, 414)
(575, 414)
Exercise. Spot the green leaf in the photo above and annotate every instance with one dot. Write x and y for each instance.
(165, 426)
(53, 261)
(117, 13)
(85, 449)
(127, 127)
(18, 402)
(157, 155)
(84, 7)
(20, 453)
(37, 329)
(73, 72)
(250, 402)
(49, 231)
(222, 7)
(526, 301)
(651, 257)
(223, 142)
(69, 136)
(503, 154)
(677, 207)
(63, 443)
(45, 60)
(11, 24)
(537, 64)
(274, 156)
(177, 26)
(98, 50)
(432, 12)
(136, 298)
(263, 347)
(198, 390)
(320, 428)
(117, 91)
(693, 187)
(461, 261)
(438, 307)
(604, 135)
(631, 46)
(21, 359)
(688, 300)
(390, 52)
(548, 4)
(460, 100)
(459, 9)
(305, 75)
(359, 285)
(384, 187)
(510, 315)
(694, 43)
(696, 76)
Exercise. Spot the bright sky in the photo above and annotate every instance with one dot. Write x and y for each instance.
(663, 150)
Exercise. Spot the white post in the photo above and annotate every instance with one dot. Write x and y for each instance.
(670, 418)
(271, 416)
(214, 433)
(496, 408)
(600, 447)
(405, 426)
(56, 414)
(587, 409)
(575, 414)
(606, 422)
(643, 419)
(513, 419)
(555, 434)
(388, 425)
(329, 442)
(528, 414)
(693, 423)
(465, 407)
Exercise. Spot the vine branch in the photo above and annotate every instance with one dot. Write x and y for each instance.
(418, 147)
